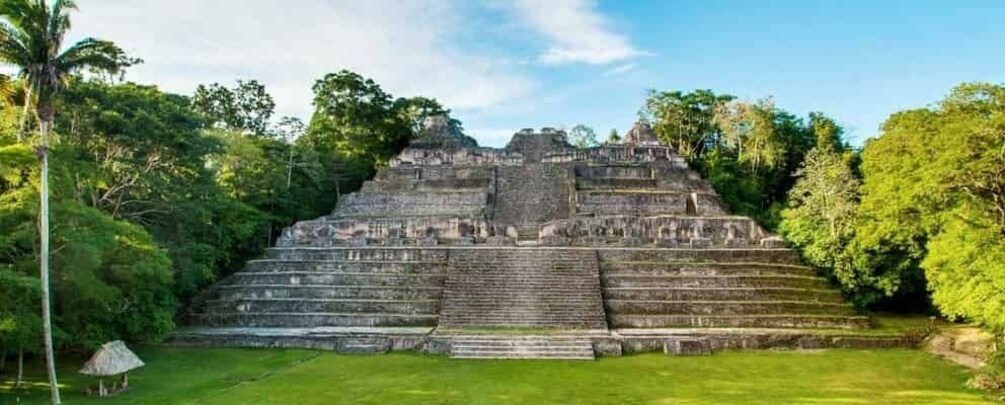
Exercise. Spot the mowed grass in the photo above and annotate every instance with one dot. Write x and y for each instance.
(301, 377)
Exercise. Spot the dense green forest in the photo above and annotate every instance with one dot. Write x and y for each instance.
(157, 195)
(915, 217)
(154, 196)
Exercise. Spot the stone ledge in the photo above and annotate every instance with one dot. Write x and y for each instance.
(604, 343)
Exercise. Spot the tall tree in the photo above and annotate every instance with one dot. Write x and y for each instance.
(31, 39)
(821, 215)
(750, 130)
(613, 136)
(245, 108)
(582, 136)
(684, 120)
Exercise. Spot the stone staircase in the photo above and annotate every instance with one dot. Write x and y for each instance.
(338, 287)
(718, 288)
(550, 347)
(523, 287)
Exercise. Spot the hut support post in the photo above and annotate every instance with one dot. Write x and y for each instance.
(101, 388)
(125, 380)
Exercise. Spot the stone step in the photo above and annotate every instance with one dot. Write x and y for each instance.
(524, 280)
(738, 321)
(517, 315)
(374, 267)
(704, 269)
(540, 270)
(566, 322)
(714, 281)
(543, 347)
(312, 320)
(616, 183)
(723, 294)
(718, 308)
(322, 291)
(287, 305)
(521, 347)
(519, 356)
(716, 255)
(313, 278)
(509, 301)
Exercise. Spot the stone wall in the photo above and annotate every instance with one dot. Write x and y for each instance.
(666, 230)
(439, 157)
(384, 231)
(531, 194)
(413, 204)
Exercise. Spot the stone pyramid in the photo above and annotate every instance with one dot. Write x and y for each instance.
(454, 237)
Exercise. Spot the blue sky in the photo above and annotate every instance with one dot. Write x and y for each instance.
(503, 65)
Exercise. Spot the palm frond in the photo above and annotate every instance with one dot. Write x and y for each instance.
(91, 53)
(14, 47)
(59, 22)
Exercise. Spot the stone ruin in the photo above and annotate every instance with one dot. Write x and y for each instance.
(612, 249)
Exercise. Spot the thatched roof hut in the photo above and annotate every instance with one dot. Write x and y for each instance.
(113, 358)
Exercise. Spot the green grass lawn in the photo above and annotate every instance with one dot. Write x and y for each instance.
(301, 377)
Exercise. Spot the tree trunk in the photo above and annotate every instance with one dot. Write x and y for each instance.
(45, 122)
(20, 368)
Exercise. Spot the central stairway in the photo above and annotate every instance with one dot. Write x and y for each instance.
(523, 287)
(551, 347)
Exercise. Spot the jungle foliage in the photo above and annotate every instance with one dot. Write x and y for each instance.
(157, 195)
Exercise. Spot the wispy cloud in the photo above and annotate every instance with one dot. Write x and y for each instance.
(577, 31)
(621, 69)
(409, 47)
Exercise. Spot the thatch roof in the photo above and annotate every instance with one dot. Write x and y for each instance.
(113, 358)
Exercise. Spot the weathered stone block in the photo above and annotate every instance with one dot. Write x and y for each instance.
(631, 241)
(736, 242)
(556, 241)
(364, 345)
(607, 347)
(701, 243)
(773, 242)
(667, 243)
(687, 347)
(500, 241)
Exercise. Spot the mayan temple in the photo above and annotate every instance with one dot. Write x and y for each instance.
(537, 250)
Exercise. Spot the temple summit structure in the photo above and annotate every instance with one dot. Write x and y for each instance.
(536, 250)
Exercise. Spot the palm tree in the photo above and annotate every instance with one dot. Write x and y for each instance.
(31, 39)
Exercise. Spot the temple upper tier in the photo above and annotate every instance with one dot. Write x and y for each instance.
(445, 189)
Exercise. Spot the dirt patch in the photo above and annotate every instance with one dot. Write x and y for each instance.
(964, 345)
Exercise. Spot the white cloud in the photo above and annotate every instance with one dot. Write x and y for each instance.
(406, 46)
(622, 69)
(578, 33)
